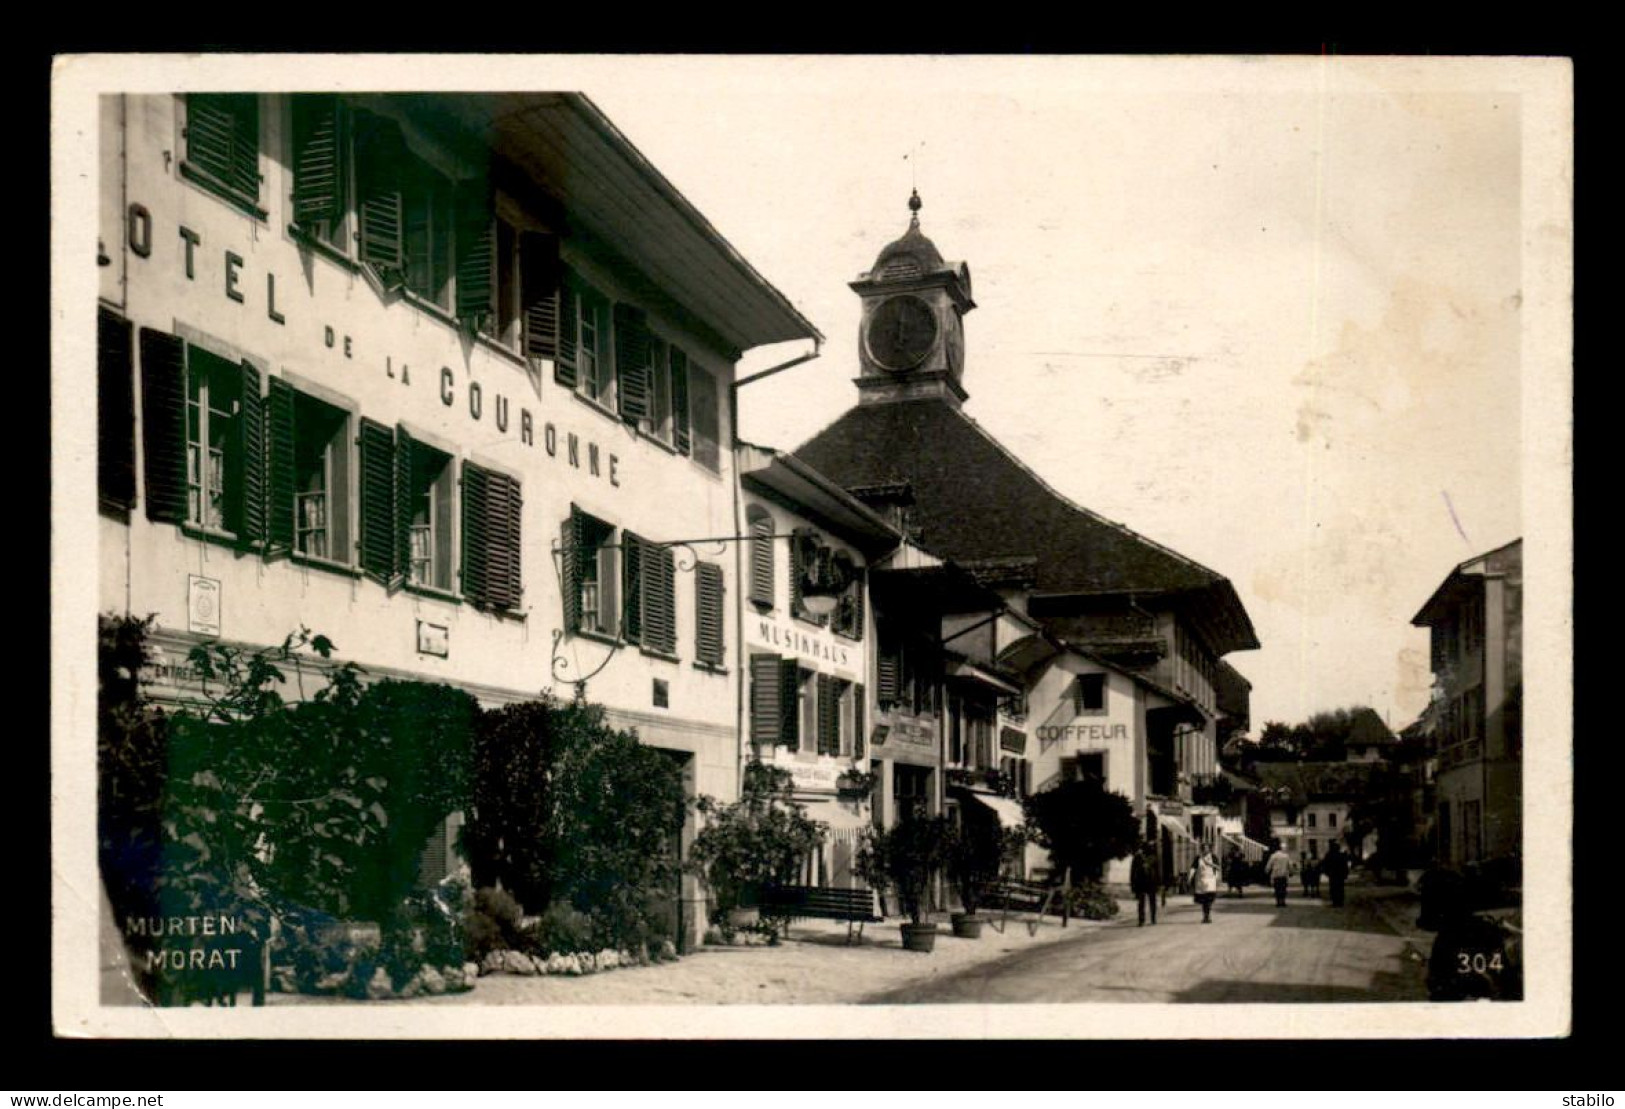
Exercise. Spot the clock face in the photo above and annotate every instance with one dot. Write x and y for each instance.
(901, 333)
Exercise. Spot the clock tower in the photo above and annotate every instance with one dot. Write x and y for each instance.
(911, 341)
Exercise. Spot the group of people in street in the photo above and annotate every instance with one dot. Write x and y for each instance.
(1206, 873)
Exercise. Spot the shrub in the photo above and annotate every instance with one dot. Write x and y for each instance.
(975, 852)
(1090, 900)
(563, 930)
(495, 922)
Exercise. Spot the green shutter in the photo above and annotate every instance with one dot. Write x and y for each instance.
(223, 139)
(860, 738)
(163, 424)
(570, 307)
(855, 628)
(115, 411)
(800, 540)
(659, 599)
(761, 557)
(318, 183)
(766, 700)
(790, 704)
(378, 524)
(476, 539)
(539, 291)
(506, 509)
(679, 399)
(406, 476)
(632, 586)
(889, 674)
(571, 541)
(829, 717)
(252, 503)
(476, 254)
(708, 613)
(632, 349)
(279, 480)
(381, 161)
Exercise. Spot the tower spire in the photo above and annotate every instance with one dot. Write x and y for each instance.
(914, 206)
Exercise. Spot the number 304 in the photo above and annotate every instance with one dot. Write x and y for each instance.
(1477, 963)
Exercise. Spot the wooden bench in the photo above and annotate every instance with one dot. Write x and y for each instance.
(1022, 897)
(855, 906)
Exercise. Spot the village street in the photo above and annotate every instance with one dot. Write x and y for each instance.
(1253, 952)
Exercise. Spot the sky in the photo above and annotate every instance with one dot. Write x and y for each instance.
(1266, 313)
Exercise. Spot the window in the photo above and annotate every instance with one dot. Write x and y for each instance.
(760, 523)
(582, 361)
(321, 480)
(406, 509)
(1331, 820)
(1311, 820)
(805, 551)
(591, 575)
(203, 438)
(222, 137)
(419, 224)
(709, 614)
(667, 417)
(810, 688)
(704, 418)
(775, 709)
(492, 509)
(1090, 694)
(848, 617)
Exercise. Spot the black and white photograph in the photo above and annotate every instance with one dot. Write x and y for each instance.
(805, 546)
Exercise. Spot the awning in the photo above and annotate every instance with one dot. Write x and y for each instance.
(1174, 826)
(1008, 811)
(969, 671)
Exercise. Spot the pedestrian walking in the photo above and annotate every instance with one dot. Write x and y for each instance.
(1235, 873)
(1308, 875)
(1336, 868)
(1145, 878)
(1205, 881)
(1279, 870)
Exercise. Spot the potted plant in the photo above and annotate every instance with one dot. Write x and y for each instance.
(855, 783)
(975, 853)
(758, 840)
(904, 859)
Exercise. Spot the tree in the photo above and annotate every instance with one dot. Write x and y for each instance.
(1084, 826)
(905, 858)
(976, 852)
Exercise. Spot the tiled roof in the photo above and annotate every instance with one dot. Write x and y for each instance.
(1308, 781)
(975, 501)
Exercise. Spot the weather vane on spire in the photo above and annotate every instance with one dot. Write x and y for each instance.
(914, 201)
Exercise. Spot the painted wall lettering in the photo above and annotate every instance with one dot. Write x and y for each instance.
(140, 230)
(233, 263)
(476, 399)
(191, 239)
(526, 432)
(328, 337)
(446, 382)
(270, 299)
(550, 440)
(614, 476)
(574, 450)
(502, 412)
(592, 459)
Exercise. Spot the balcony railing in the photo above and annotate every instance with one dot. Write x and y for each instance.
(1459, 753)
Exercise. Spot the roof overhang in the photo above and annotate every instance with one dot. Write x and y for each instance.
(944, 588)
(966, 670)
(616, 199)
(801, 487)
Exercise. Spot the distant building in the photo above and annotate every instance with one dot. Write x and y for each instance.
(1476, 620)
(1310, 804)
